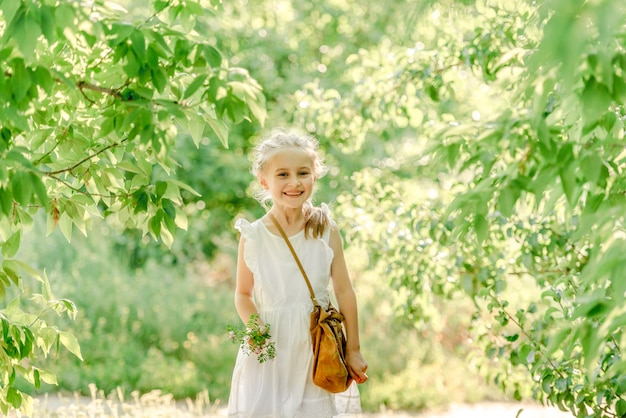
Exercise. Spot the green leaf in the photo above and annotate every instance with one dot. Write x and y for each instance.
(184, 186)
(258, 109)
(170, 225)
(46, 291)
(213, 56)
(14, 397)
(506, 200)
(620, 408)
(220, 129)
(48, 377)
(20, 80)
(11, 245)
(560, 384)
(40, 189)
(138, 44)
(556, 340)
(187, 19)
(591, 166)
(10, 267)
(481, 225)
(129, 166)
(546, 383)
(22, 188)
(65, 223)
(131, 67)
(569, 183)
(141, 199)
(28, 269)
(5, 135)
(195, 124)
(159, 5)
(69, 306)
(452, 154)
(155, 224)
(236, 110)
(26, 31)
(596, 100)
(181, 220)
(6, 201)
(194, 85)
(65, 14)
(43, 77)
(70, 342)
(619, 89)
(48, 23)
(169, 208)
(161, 187)
(167, 238)
(18, 157)
(9, 9)
(122, 31)
(159, 79)
(590, 342)
(618, 322)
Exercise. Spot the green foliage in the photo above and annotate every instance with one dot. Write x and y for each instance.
(93, 102)
(25, 337)
(414, 366)
(154, 328)
(520, 163)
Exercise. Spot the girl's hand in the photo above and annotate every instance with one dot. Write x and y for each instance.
(357, 366)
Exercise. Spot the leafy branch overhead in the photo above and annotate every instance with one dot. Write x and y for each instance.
(92, 104)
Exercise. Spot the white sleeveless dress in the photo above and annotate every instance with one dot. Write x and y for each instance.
(283, 387)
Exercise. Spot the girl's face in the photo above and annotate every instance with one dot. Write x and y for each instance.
(288, 176)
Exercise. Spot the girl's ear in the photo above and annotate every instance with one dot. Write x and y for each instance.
(262, 181)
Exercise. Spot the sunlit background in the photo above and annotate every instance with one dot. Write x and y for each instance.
(404, 99)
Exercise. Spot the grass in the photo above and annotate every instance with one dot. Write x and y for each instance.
(153, 404)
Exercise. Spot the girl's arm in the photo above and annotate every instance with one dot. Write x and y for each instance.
(346, 299)
(244, 301)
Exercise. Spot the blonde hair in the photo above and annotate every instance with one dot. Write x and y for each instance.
(316, 220)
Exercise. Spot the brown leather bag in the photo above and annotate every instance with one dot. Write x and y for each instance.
(330, 371)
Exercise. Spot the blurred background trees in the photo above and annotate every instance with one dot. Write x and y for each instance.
(476, 169)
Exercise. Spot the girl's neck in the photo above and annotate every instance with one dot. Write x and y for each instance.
(288, 217)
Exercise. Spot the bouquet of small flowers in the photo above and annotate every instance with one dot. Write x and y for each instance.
(254, 338)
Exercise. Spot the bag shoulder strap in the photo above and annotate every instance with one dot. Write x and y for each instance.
(295, 256)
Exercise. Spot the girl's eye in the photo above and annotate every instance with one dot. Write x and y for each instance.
(304, 173)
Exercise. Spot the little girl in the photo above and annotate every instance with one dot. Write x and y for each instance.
(270, 285)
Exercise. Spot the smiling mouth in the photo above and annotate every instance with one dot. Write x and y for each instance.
(293, 194)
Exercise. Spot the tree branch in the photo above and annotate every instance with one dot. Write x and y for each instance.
(87, 158)
(84, 85)
(77, 190)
